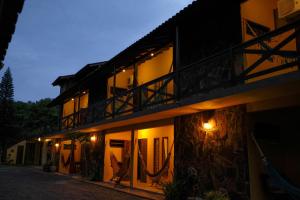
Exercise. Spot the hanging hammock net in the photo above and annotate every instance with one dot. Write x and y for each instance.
(164, 169)
(119, 170)
(277, 184)
(122, 170)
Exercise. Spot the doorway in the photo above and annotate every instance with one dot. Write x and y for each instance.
(20, 152)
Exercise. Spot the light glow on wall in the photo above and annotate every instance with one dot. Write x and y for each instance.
(56, 145)
(39, 139)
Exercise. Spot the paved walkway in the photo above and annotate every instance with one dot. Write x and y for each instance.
(18, 183)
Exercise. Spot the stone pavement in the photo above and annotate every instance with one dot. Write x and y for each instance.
(18, 183)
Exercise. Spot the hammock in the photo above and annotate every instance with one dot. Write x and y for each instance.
(276, 180)
(163, 169)
(65, 163)
(119, 171)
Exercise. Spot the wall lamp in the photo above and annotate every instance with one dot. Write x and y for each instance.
(93, 138)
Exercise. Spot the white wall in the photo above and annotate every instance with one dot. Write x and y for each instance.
(11, 155)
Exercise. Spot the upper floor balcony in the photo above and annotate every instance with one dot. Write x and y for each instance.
(263, 57)
(74, 111)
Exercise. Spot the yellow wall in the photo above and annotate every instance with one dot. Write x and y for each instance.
(121, 81)
(156, 67)
(66, 153)
(84, 101)
(153, 68)
(108, 171)
(68, 107)
(259, 11)
(262, 12)
(150, 134)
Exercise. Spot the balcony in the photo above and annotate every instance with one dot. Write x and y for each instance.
(261, 58)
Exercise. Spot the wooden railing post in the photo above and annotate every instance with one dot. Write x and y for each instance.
(132, 156)
(176, 79)
(139, 98)
(232, 77)
(114, 94)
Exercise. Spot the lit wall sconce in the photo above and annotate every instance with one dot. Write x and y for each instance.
(39, 139)
(56, 145)
(72, 99)
(83, 92)
(207, 126)
(124, 70)
(152, 54)
(93, 138)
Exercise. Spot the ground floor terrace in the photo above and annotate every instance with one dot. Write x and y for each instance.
(246, 150)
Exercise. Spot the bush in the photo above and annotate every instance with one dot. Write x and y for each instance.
(216, 195)
(173, 190)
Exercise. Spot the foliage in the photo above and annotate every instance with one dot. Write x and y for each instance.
(6, 99)
(217, 195)
(6, 87)
(173, 190)
(7, 128)
(35, 119)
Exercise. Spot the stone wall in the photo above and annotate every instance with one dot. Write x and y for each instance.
(92, 157)
(215, 159)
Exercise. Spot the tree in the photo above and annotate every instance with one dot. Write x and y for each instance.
(35, 118)
(6, 110)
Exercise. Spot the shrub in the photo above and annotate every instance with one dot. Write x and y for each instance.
(216, 195)
(173, 190)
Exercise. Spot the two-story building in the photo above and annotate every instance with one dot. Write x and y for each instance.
(199, 101)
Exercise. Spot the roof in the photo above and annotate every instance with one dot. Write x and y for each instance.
(9, 12)
(88, 69)
(157, 38)
(161, 35)
(61, 79)
(78, 79)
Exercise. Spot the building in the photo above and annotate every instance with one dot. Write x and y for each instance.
(200, 100)
(26, 152)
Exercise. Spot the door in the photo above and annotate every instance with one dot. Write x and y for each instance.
(20, 152)
(29, 154)
(142, 163)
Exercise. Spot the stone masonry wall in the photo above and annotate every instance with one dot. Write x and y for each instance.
(214, 159)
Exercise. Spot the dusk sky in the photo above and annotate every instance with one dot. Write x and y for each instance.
(59, 37)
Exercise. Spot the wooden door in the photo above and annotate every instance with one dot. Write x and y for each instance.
(20, 152)
(142, 144)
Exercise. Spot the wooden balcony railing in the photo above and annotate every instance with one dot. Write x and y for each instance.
(74, 120)
(262, 57)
